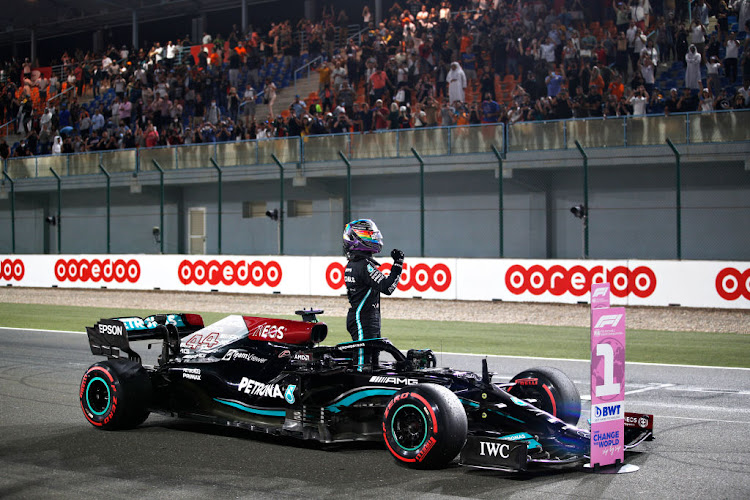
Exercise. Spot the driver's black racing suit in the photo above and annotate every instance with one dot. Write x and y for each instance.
(364, 284)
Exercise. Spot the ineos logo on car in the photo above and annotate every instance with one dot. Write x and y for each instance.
(577, 280)
(97, 270)
(12, 270)
(731, 283)
(230, 273)
(421, 277)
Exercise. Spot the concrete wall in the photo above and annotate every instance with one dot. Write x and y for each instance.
(632, 210)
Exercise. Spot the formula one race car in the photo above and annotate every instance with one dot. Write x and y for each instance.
(271, 375)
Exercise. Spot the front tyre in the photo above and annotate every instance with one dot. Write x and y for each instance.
(553, 391)
(114, 394)
(424, 426)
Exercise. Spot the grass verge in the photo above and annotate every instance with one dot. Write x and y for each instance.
(692, 348)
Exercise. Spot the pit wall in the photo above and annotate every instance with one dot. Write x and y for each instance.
(715, 284)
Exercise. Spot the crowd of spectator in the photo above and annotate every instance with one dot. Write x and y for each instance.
(427, 63)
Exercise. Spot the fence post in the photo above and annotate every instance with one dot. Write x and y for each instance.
(585, 200)
(281, 204)
(218, 204)
(348, 209)
(59, 209)
(500, 211)
(104, 171)
(12, 212)
(678, 196)
(421, 201)
(161, 204)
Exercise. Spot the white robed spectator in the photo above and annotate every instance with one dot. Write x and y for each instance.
(456, 83)
(693, 69)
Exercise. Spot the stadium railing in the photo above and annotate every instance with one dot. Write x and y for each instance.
(686, 128)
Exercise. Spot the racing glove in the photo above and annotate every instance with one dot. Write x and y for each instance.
(397, 256)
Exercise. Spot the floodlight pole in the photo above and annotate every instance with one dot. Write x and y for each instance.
(281, 203)
(678, 197)
(59, 210)
(104, 171)
(348, 209)
(12, 212)
(585, 200)
(161, 204)
(421, 201)
(499, 196)
(218, 169)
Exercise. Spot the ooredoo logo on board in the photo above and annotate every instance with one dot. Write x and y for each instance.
(421, 277)
(12, 269)
(577, 280)
(228, 273)
(731, 283)
(97, 270)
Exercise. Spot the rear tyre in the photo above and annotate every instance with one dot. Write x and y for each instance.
(424, 426)
(554, 392)
(115, 394)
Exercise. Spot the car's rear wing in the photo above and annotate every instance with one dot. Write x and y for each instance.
(111, 337)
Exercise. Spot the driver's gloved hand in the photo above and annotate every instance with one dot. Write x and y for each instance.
(397, 256)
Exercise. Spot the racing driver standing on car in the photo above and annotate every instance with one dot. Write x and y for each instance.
(365, 283)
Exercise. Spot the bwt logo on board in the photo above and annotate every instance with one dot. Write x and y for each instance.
(421, 277)
(97, 270)
(577, 280)
(230, 273)
(731, 283)
(12, 270)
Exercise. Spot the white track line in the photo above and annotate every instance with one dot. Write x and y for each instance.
(702, 419)
(35, 330)
(589, 361)
(586, 397)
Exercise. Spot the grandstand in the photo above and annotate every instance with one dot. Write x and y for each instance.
(526, 97)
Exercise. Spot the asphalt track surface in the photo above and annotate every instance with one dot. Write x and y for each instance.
(48, 450)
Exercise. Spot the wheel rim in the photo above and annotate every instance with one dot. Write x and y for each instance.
(98, 396)
(409, 427)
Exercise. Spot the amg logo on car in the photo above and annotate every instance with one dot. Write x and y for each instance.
(393, 380)
(494, 449)
(110, 329)
(255, 388)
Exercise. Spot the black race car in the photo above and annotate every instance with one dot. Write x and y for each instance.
(272, 375)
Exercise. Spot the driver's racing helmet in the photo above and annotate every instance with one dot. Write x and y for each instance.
(362, 235)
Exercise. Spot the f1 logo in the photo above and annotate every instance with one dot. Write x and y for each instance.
(608, 320)
(601, 292)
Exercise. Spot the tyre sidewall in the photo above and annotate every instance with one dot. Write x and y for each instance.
(444, 426)
(128, 392)
(554, 391)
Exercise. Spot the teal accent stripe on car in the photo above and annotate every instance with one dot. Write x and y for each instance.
(473, 404)
(357, 396)
(360, 332)
(250, 409)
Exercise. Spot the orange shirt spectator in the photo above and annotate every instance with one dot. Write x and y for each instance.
(617, 89)
(596, 84)
(466, 42)
(215, 61)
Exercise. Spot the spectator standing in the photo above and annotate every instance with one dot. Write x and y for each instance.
(456, 83)
(693, 69)
(730, 60)
(248, 104)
